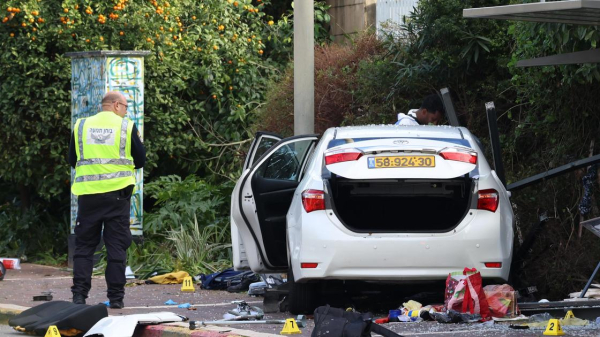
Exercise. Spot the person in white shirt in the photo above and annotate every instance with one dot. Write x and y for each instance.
(430, 112)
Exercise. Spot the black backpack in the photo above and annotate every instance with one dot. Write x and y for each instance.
(335, 322)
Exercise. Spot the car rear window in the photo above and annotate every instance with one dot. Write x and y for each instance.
(342, 141)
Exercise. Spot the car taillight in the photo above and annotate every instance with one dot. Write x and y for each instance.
(341, 156)
(308, 265)
(313, 200)
(488, 200)
(493, 264)
(464, 156)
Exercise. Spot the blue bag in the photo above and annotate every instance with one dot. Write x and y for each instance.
(223, 279)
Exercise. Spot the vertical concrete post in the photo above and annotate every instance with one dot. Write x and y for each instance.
(304, 67)
(93, 74)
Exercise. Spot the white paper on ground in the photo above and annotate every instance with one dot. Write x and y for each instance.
(129, 273)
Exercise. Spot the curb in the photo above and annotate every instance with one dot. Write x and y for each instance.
(8, 311)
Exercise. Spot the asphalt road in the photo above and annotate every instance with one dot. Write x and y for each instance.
(20, 286)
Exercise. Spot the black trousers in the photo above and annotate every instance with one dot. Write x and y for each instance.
(111, 209)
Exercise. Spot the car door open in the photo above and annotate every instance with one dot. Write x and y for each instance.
(262, 198)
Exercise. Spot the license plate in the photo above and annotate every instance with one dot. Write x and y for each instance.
(401, 161)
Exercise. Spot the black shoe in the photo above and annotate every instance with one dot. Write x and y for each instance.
(242, 286)
(116, 305)
(78, 298)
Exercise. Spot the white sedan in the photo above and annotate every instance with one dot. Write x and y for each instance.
(372, 203)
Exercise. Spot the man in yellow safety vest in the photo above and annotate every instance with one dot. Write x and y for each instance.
(105, 149)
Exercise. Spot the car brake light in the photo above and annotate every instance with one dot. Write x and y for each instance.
(313, 200)
(341, 156)
(493, 264)
(308, 265)
(488, 200)
(455, 154)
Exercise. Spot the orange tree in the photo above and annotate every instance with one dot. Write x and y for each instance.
(204, 77)
(209, 63)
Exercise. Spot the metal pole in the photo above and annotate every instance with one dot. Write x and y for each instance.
(450, 112)
(589, 283)
(304, 67)
(495, 140)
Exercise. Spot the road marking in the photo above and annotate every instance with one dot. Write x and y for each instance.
(438, 332)
(193, 305)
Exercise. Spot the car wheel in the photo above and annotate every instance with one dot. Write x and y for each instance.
(301, 297)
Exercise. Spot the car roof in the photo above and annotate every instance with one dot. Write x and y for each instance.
(384, 131)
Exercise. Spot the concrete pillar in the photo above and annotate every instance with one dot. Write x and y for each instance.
(93, 74)
(304, 67)
(347, 18)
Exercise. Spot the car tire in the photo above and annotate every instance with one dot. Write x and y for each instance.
(301, 297)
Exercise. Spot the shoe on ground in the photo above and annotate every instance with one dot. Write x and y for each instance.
(78, 298)
(242, 286)
(116, 305)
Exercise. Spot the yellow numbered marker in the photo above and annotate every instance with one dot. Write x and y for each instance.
(188, 285)
(290, 327)
(569, 314)
(553, 328)
(52, 331)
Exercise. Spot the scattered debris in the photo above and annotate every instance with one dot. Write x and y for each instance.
(129, 273)
(10, 263)
(170, 302)
(46, 296)
(170, 278)
(125, 325)
(184, 306)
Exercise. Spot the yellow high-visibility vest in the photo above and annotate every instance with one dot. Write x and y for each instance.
(103, 147)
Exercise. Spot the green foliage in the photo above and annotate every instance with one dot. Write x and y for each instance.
(201, 251)
(180, 202)
(25, 234)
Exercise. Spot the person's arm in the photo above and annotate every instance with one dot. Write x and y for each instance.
(138, 152)
(72, 157)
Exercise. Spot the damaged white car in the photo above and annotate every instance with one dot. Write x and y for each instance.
(371, 203)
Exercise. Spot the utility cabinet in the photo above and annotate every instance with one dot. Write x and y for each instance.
(93, 74)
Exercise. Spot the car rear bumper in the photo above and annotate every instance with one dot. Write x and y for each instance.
(341, 254)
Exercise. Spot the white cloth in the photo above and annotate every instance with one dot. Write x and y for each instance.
(409, 118)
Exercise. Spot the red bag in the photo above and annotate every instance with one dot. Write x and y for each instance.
(464, 293)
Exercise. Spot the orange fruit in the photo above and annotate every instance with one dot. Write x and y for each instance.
(33, 38)
(235, 3)
(260, 52)
(12, 34)
(194, 17)
(199, 49)
(66, 10)
(31, 20)
(215, 47)
(87, 40)
(121, 33)
(101, 38)
(214, 96)
(23, 24)
(35, 13)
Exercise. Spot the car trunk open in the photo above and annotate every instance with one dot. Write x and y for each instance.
(400, 205)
